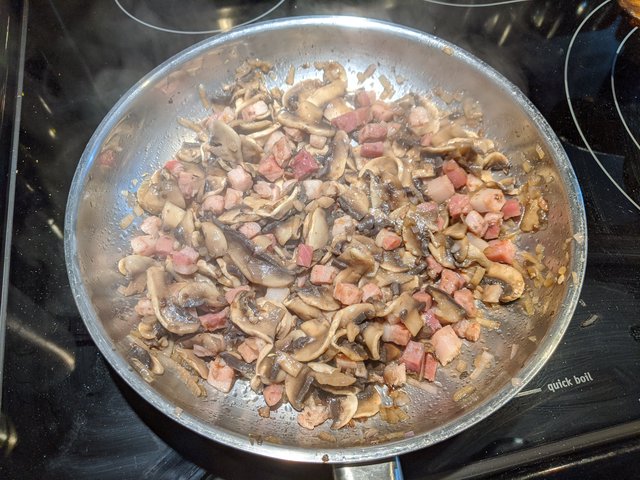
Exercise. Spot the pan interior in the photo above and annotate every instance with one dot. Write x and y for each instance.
(142, 127)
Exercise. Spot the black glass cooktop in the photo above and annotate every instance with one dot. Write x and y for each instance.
(65, 414)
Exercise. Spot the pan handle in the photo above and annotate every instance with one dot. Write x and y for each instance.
(390, 470)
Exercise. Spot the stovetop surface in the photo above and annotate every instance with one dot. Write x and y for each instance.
(71, 414)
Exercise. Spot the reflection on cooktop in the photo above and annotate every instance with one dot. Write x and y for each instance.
(197, 16)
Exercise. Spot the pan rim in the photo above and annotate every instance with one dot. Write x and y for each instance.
(359, 453)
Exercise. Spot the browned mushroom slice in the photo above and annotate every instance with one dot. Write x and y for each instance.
(234, 361)
(316, 229)
(297, 387)
(340, 155)
(156, 190)
(134, 265)
(190, 152)
(302, 309)
(334, 379)
(372, 334)
(290, 120)
(289, 364)
(194, 294)
(319, 344)
(214, 239)
(172, 215)
(184, 375)
(358, 258)
(189, 360)
(447, 309)
(355, 203)
(278, 210)
(353, 351)
(172, 317)
(225, 143)
(368, 403)
(404, 307)
(512, 279)
(255, 321)
(267, 369)
(342, 410)
(145, 363)
(494, 161)
(259, 267)
(251, 151)
(319, 297)
(357, 314)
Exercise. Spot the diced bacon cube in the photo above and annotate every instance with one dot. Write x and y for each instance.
(247, 353)
(365, 98)
(473, 332)
(494, 222)
(249, 229)
(232, 293)
(474, 183)
(107, 158)
(239, 179)
(427, 207)
(174, 166)
(455, 172)
(372, 150)
(273, 394)
(184, 261)
(459, 204)
(151, 225)
(511, 208)
(426, 139)
(226, 115)
(395, 375)
(413, 356)
(317, 141)
(488, 200)
(269, 168)
(393, 128)
(418, 116)
(475, 223)
(323, 274)
(372, 132)
(304, 255)
(503, 251)
(446, 343)
(144, 307)
(381, 112)
(388, 240)
(351, 120)
(312, 188)
(304, 164)
(232, 198)
(143, 245)
(214, 321)
(188, 184)
(450, 281)
(396, 333)
(294, 134)
(464, 297)
(164, 245)
(434, 269)
(439, 189)
(371, 291)
(221, 376)
(431, 322)
(347, 293)
(272, 140)
(429, 368)
(423, 297)
(267, 190)
(282, 151)
(213, 204)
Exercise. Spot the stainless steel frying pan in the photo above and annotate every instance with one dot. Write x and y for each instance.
(142, 130)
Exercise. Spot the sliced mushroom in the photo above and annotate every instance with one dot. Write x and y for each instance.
(251, 151)
(278, 210)
(191, 361)
(447, 309)
(319, 297)
(156, 190)
(512, 278)
(318, 230)
(359, 259)
(318, 346)
(172, 215)
(334, 379)
(194, 294)
(145, 363)
(289, 364)
(290, 120)
(356, 314)
(340, 155)
(172, 317)
(302, 309)
(495, 161)
(214, 239)
(372, 334)
(254, 321)
(247, 370)
(457, 230)
(297, 388)
(355, 203)
(342, 410)
(368, 403)
(404, 307)
(186, 377)
(259, 267)
(225, 142)
(134, 265)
